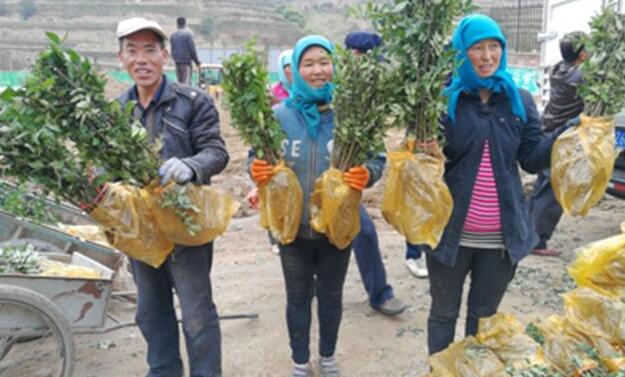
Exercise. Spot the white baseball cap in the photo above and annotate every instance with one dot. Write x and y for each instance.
(135, 24)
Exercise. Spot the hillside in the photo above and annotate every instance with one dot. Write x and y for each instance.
(91, 23)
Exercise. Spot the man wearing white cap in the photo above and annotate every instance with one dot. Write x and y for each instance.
(187, 123)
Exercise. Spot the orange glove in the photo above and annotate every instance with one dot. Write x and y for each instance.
(357, 177)
(262, 171)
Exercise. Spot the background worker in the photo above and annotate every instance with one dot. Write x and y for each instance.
(183, 51)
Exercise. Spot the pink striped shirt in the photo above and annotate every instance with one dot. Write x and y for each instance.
(484, 214)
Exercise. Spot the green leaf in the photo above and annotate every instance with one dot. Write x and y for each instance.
(54, 38)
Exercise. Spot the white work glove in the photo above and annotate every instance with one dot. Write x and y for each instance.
(175, 169)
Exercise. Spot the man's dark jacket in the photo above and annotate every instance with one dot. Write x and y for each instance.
(188, 123)
(183, 47)
(564, 100)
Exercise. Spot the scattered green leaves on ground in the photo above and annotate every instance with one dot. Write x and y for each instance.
(416, 34)
(361, 107)
(245, 86)
(603, 90)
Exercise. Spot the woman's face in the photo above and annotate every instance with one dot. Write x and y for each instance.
(485, 57)
(288, 73)
(316, 67)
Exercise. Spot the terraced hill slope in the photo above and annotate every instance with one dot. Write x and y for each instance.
(91, 23)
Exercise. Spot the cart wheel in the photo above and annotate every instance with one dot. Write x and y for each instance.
(49, 349)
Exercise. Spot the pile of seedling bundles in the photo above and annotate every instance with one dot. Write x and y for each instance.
(61, 133)
(586, 340)
(583, 157)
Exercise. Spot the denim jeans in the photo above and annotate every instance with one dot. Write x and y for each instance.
(187, 271)
(369, 259)
(544, 208)
(491, 272)
(302, 261)
(413, 251)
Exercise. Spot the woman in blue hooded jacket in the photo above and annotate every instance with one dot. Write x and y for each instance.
(311, 263)
(491, 128)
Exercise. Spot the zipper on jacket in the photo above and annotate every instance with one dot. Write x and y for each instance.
(311, 182)
(172, 125)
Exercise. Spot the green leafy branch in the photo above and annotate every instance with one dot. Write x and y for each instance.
(361, 103)
(245, 87)
(416, 34)
(603, 90)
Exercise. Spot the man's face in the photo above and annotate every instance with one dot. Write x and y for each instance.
(142, 56)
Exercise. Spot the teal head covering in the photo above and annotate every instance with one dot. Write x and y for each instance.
(283, 61)
(304, 97)
(472, 29)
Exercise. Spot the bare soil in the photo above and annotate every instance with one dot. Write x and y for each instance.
(247, 278)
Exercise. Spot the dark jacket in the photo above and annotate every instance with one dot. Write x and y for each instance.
(183, 47)
(564, 100)
(512, 143)
(188, 123)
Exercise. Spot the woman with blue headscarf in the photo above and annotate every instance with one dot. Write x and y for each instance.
(491, 128)
(311, 263)
(280, 91)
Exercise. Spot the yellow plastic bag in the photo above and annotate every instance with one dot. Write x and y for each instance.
(126, 214)
(582, 160)
(467, 358)
(417, 202)
(281, 203)
(595, 315)
(563, 344)
(212, 211)
(505, 336)
(91, 233)
(601, 265)
(60, 269)
(334, 209)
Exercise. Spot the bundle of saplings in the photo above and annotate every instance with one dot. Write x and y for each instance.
(60, 132)
(417, 202)
(583, 157)
(245, 87)
(361, 108)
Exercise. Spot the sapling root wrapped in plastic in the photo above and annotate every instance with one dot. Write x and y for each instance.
(414, 33)
(583, 157)
(360, 103)
(281, 199)
(416, 202)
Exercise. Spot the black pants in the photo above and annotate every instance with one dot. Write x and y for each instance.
(544, 208)
(302, 261)
(491, 271)
(183, 73)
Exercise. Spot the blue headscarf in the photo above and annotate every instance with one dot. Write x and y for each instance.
(283, 61)
(472, 29)
(304, 97)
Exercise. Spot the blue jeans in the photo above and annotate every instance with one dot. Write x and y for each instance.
(187, 271)
(413, 251)
(491, 271)
(544, 208)
(302, 261)
(369, 259)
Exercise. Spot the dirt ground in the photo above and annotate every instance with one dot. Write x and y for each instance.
(247, 278)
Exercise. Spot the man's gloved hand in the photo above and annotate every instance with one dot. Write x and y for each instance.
(262, 171)
(357, 177)
(175, 169)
